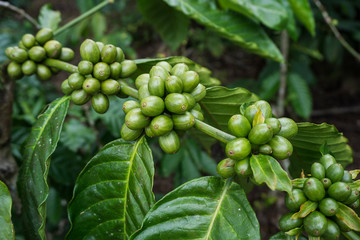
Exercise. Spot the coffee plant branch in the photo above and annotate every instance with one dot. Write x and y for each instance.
(20, 12)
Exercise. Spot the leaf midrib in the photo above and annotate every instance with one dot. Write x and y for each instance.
(131, 160)
(222, 197)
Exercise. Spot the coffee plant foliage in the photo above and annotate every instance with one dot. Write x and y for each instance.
(172, 109)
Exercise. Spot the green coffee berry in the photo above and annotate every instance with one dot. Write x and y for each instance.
(18, 55)
(90, 51)
(76, 81)
(101, 71)
(314, 189)
(299, 198)
(238, 148)
(355, 204)
(173, 84)
(243, 168)
(335, 172)
(65, 87)
(197, 107)
(328, 207)
(176, 103)
(44, 35)
(250, 112)
(288, 129)
(265, 108)
(286, 223)
(225, 168)
(179, 69)
(197, 114)
(110, 87)
(199, 92)
(8, 51)
(315, 224)
(14, 70)
(156, 86)
(152, 106)
(28, 40)
(67, 54)
(91, 85)
(143, 92)
(260, 134)
(100, 45)
(239, 125)
(160, 72)
(265, 149)
(190, 80)
(161, 125)
(281, 147)
(142, 79)
(129, 134)
(129, 105)
(327, 160)
(43, 72)
(183, 121)
(119, 55)
(100, 103)
(339, 191)
(37, 53)
(22, 46)
(332, 231)
(28, 67)
(108, 54)
(128, 67)
(274, 123)
(190, 99)
(170, 143)
(326, 182)
(317, 170)
(164, 65)
(352, 198)
(53, 48)
(135, 119)
(149, 132)
(347, 177)
(80, 97)
(115, 69)
(85, 67)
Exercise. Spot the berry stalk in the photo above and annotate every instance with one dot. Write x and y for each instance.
(213, 132)
(125, 88)
(351, 235)
(68, 67)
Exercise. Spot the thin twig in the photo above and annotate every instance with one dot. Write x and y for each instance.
(284, 45)
(21, 12)
(336, 32)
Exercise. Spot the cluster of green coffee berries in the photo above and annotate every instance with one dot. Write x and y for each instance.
(256, 132)
(168, 98)
(28, 57)
(98, 72)
(327, 187)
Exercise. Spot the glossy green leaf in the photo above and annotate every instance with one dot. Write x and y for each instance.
(307, 144)
(270, 13)
(98, 25)
(349, 217)
(270, 80)
(233, 26)
(6, 227)
(172, 25)
(49, 18)
(305, 209)
(32, 185)
(145, 64)
(113, 192)
(291, 23)
(194, 158)
(302, 11)
(204, 208)
(299, 95)
(221, 103)
(267, 170)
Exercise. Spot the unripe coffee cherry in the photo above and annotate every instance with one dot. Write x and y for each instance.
(44, 35)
